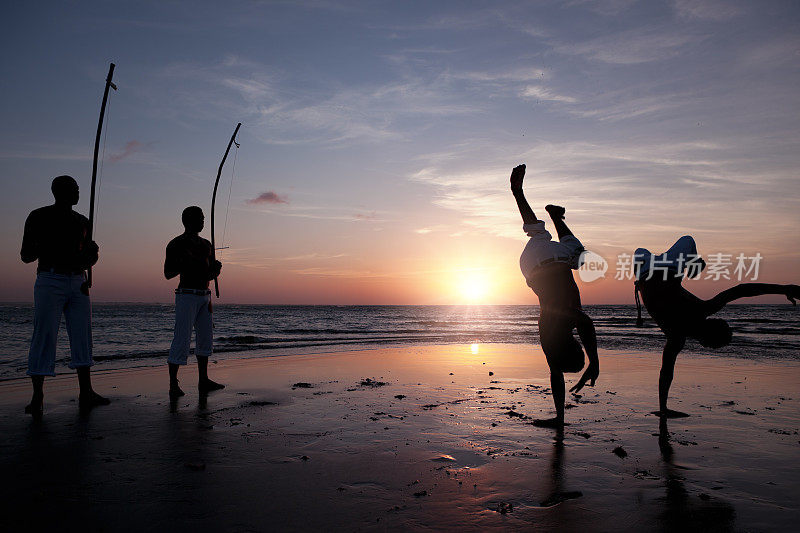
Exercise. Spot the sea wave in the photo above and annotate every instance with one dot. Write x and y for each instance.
(137, 334)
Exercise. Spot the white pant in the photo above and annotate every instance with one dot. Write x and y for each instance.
(54, 294)
(191, 310)
(542, 248)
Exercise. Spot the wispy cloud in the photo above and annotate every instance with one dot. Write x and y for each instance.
(315, 255)
(268, 197)
(631, 47)
(780, 51)
(52, 153)
(341, 273)
(602, 7)
(130, 148)
(708, 9)
(654, 186)
(538, 92)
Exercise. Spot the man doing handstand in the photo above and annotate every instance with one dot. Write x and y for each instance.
(547, 266)
(679, 313)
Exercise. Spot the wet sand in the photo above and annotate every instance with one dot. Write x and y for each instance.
(408, 438)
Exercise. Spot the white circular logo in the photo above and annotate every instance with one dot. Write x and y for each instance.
(593, 267)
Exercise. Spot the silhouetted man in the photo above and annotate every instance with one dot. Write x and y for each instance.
(191, 257)
(58, 237)
(547, 266)
(679, 313)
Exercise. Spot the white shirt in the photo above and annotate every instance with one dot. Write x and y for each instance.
(542, 248)
(682, 256)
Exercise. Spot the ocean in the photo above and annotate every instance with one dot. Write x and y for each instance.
(129, 335)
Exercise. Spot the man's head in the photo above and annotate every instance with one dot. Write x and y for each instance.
(65, 190)
(193, 219)
(714, 333)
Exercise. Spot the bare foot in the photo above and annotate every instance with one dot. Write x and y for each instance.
(792, 292)
(555, 423)
(206, 385)
(36, 407)
(175, 391)
(669, 413)
(91, 399)
(556, 211)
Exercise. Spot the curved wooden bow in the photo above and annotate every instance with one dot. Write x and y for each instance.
(88, 283)
(214, 200)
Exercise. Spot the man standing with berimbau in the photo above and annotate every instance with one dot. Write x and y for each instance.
(192, 258)
(59, 238)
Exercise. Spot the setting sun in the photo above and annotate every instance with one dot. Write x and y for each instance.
(473, 287)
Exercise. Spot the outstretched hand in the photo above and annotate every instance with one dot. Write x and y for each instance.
(517, 175)
(590, 374)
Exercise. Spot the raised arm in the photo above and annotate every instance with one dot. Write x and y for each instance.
(748, 290)
(517, 175)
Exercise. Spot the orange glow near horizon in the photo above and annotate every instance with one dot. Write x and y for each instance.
(474, 287)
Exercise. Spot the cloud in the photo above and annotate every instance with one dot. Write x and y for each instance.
(707, 9)
(632, 47)
(341, 273)
(130, 148)
(537, 92)
(365, 216)
(603, 7)
(269, 197)
(657, 189)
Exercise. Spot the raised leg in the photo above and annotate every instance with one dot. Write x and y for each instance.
(748, 290)
(557, 216)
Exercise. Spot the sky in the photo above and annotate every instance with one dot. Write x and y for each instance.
(378, 138)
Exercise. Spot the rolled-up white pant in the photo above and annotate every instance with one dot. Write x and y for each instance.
(54, 295)
(191, 311)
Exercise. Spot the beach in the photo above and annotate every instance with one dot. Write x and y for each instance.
(410, 437)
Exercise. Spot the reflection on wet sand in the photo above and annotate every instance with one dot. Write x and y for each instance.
(558, 494)
(682, 511)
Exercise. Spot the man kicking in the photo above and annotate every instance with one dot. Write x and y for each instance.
(58, 237)
(547, 266)
(191, 257)
(679, 313)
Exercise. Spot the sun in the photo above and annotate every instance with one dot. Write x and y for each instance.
(473, 287)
